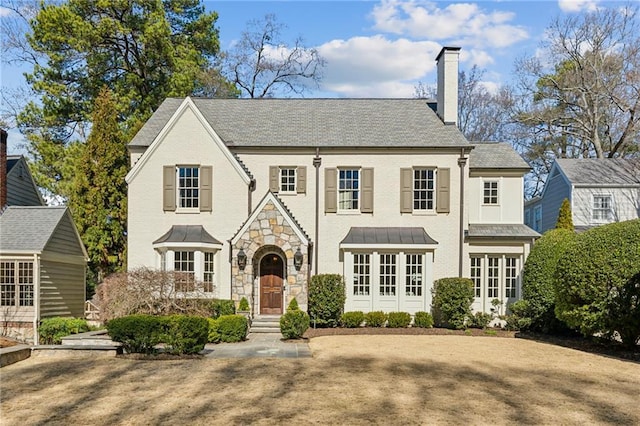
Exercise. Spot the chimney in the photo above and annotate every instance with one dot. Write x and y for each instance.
(447, 98)
(3, 169)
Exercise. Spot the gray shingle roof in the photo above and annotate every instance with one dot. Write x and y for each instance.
(12, 160)
(28, 228)
(604, 171)
(366, 235)
(493, 155)
(315, 123)
(501, 231)
(187, 234)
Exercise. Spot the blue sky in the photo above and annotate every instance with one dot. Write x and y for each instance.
(384, 48)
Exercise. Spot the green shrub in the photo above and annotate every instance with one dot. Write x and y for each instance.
(538, 292)
(185, 334)
(565, 218)
(221, 307)
(452, 299)
(214, 336)
(137, 333)
(518, 317)
(52, 330)
(231, 328)
(480, 320)
(352, 319)
(293, 324)
(375, 319)
(598, 282)
(326, 299)
(399, 319)
(244, 305)
(293, 305)
(423, 320)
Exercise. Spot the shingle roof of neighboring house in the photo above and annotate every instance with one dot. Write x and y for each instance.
(187, 234)
(603, 171)
(398, 235)
(12, 160)
(28, 228)
(315, 123)
(501, 231)
(494, 155)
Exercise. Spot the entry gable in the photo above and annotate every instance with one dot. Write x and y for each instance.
(188, 104)
(272, 199)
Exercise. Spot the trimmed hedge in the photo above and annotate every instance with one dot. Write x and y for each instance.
(232, 328)
(184, 334)
(326, 299)
(137, 333)
(598, 282)
(536, 310)
(452, 299)
(294, 322)
(398, 319)
(423, 320)
(352, 319)
(52, 330)
(220, 307)
(375, 319)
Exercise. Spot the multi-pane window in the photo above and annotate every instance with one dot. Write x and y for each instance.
(476, 275)
(184, 266)
(287, 179)
(493, 277)
(361, 274)
(602, 207)
(413, 275)
(188, 187)
(537, 218)
(490, 195)
(348, 189)
(387, 275)
(510, 277)
(16, 283)
(208, 272)
(423, 189)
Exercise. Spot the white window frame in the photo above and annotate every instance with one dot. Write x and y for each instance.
(491, 199)
(388, 277)
(19, 288)
(493, 278)
(597, 211)
(422, 193)
(362, 274)
(208, 271)
(476, 275)
(353, 201)
(182, 186)
(287, 183)
(414, 274)
(510, 277)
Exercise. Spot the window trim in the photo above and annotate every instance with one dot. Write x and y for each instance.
(364, 288)
(433, 189)
(357, 191)
(293, 191)
(20, 288)
(609, 210)
(497, 190)
(537, 209)
(198, 198)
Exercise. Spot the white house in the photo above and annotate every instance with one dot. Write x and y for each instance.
(600, 191)
(255, 196)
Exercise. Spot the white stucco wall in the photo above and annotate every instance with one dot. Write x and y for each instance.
(509, 209)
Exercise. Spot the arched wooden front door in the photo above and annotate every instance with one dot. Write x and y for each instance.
(271, 281)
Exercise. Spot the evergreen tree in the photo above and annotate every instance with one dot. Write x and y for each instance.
(98, 194)
(565, 219)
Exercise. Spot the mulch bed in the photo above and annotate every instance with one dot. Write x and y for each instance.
(411, 331)
(159, 357)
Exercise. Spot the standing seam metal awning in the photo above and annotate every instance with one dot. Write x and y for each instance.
(376, 236)
(181, 234)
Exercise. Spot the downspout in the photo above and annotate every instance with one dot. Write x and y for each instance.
(250, 189)
(461, 163)
(36, 296)
(317, 161)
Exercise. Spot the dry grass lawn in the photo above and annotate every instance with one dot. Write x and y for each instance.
(349, 380)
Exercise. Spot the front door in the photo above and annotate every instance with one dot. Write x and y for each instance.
(271, 280)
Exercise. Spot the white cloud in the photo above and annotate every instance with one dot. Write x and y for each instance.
(577, 5)
(5, 12)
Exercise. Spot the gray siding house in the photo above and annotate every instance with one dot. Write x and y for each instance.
(21, 188)
(600, 191)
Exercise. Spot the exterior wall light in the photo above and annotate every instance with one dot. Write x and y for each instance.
(242, 259)
(297, 259)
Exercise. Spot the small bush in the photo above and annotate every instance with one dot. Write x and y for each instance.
(423, 320)
(480, 320)
(352, 319)
(231, 328)
(326, 299)
(244, 305)
(375, 319)
(137, 333)
(52, 330)
(452, 299)
(221, 307)
(293, 305)
(294, 323)
(185, 334)
(214, 336)
(399, 319)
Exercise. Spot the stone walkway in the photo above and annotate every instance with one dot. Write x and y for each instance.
(260, 345)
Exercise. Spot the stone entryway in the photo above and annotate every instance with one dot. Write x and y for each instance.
(271, 284)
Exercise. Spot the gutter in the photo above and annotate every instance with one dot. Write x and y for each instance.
(462, 161)
(317, 161)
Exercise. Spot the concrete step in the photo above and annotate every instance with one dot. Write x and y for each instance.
(265, 324)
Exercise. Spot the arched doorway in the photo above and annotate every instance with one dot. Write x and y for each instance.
(271, 284)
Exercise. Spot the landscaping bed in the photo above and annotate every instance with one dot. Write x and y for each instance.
(411, 331)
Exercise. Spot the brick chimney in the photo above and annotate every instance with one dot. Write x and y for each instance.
(447, 61)
(3, 169)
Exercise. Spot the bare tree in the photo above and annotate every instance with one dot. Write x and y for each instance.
(262, 65)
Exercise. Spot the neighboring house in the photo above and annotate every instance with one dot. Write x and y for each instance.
(42, 258)
(255, 196)
(600, 191)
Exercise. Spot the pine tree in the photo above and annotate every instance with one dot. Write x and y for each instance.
(565, 220)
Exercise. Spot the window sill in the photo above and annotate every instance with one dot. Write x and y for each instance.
(424, 213)
(348, 212)
(187, 211)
